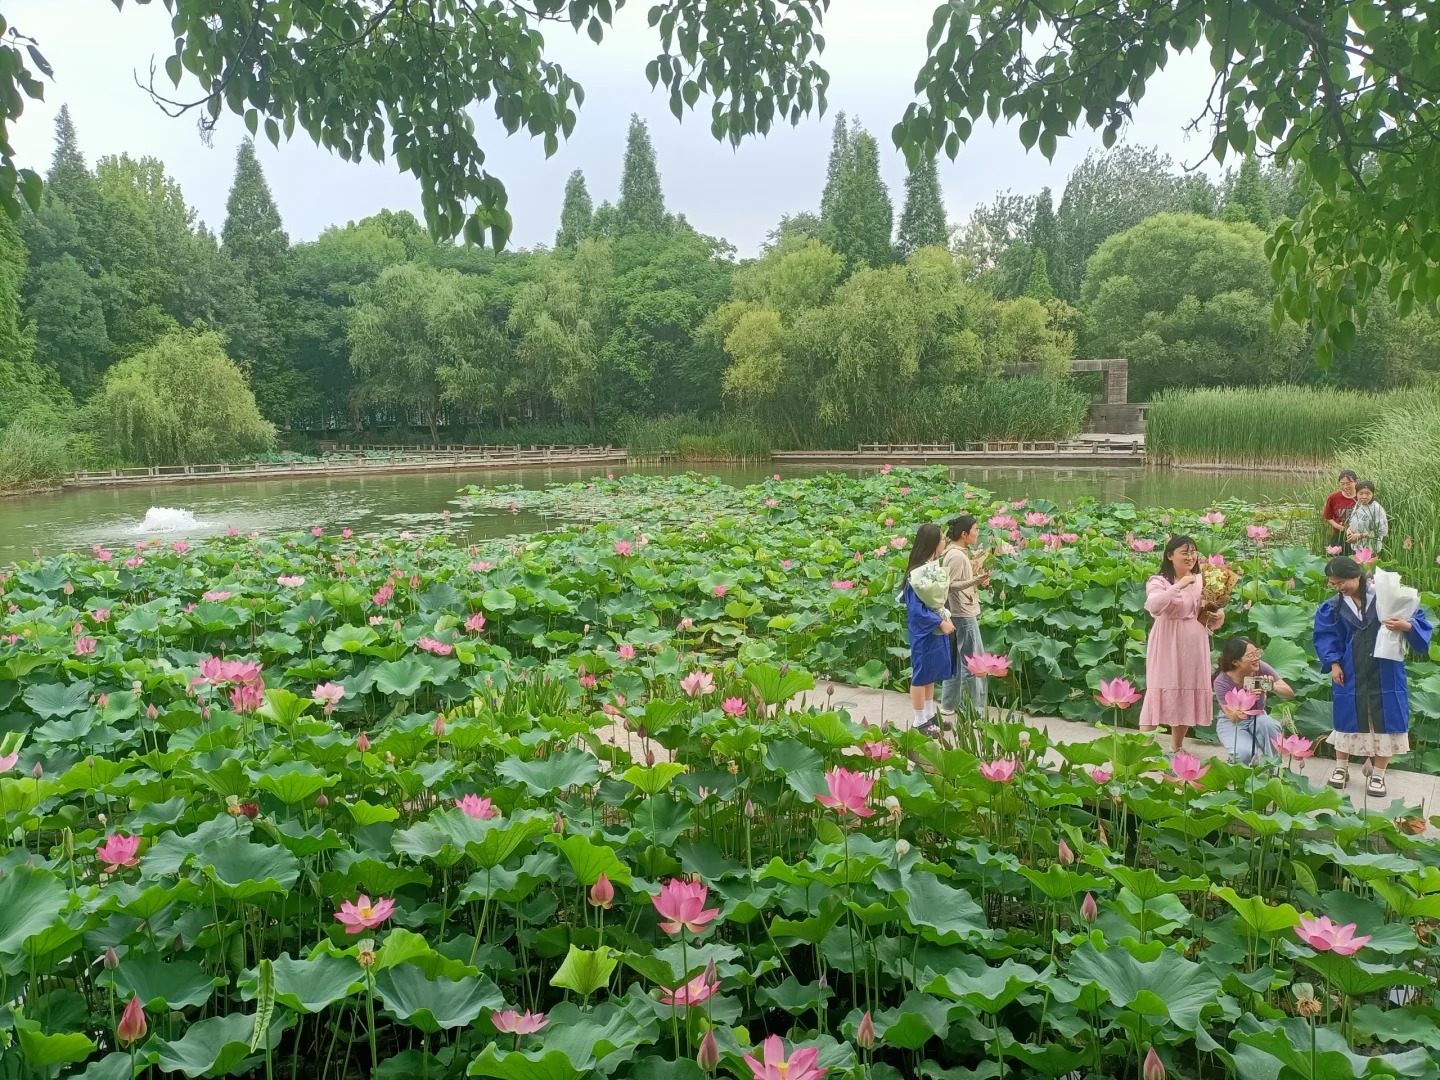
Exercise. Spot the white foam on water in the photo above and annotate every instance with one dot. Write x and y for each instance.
(164, 519)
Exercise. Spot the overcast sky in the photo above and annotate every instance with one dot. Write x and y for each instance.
(874, 48)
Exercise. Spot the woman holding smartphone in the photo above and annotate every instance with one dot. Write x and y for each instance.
(1248, 734)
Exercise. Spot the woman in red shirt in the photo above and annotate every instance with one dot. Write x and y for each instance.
(1337, 512)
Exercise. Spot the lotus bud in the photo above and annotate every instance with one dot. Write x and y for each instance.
(67, 843)
(559, 826)
(362, 743)
(321, 802)
(902, 848)
(642, 731)
(865, 1033)
(824, 983)
(90, 762)
(1089, 910)
(439, 727)
(132, 1023)
(102, 819)
(110, 961)
(708, 1056)
(749, 809)
(38, 771)
(602, 893)
(151, 712)
(649, 757)
(1067, 857)
(1154, 1068)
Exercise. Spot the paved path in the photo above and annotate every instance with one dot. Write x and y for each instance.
(1414, 790)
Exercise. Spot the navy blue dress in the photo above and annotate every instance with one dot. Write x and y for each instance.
(932, 659)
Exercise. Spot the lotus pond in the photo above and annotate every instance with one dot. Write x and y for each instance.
(331, 806)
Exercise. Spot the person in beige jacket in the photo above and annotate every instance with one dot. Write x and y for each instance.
(967, 577)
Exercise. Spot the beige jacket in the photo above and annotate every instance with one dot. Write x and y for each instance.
(964, 597)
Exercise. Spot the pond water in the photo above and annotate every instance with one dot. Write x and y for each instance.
(73, 519)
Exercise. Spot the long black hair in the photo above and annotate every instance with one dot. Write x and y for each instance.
(1345, 568)
(927, 542)
(1231, 653)
(959, 526)
(1174, 544)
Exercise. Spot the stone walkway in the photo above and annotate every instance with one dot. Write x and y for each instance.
(1410, 789)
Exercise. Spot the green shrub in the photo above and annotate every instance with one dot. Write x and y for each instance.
(34, 450)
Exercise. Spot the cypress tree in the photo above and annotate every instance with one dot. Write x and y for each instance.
(253, 235)
(836, 169)
(642, 204)
(922, 223)
(1249, 200)
(1038, 287)
(1044, 235)
(576, 213)
(862, 219)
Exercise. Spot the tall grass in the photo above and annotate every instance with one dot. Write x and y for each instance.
(33, 453)
(1276, 426)
(1401, 454)
(693, 439)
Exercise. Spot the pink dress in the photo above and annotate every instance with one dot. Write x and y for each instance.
(1177, 658)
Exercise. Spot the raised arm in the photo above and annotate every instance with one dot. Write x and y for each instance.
(1165, 598)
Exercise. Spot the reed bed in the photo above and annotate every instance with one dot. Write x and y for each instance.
(1276, 427)
(1400, 453)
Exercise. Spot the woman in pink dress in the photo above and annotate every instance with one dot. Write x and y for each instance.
(1177, 653)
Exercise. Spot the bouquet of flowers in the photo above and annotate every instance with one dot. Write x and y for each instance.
(931, 583)
(1217, 583)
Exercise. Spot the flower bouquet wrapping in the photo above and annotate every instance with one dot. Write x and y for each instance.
(931, 583)
(1217, 583)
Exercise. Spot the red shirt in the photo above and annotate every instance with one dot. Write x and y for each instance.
(1338, 507)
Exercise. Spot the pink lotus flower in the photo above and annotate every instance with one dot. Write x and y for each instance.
(438, 728)
(842, 585)
(327, 694)
(720, 590)
(7, 761)
(625, 651)
(1245, 701)
(133, 563)
(588, 681)
(180, 547)
(686, 623)
(982, 665)
(101, 614)
(1188, 770)
(602, 893)
(364, 915)
(1100, 776)
(475, 807)
(1001, 522)
(510, 1022)
(1142, 546)
(475, 623)
(697, 683)
(218, 672)
(315, 530)
(1069, 538)
(437, 648)
(1215, 560)
(848, 792)
(1334, 549)
(245, 698)
(889, 523)
(681, 905)
(886, 469)
(1324, 936)
(898, 542)
(1408, 544)
(623, 547)
(879, 751)
(1258, 533)
(1295, 746)
(290, 581)
(1117, 694)
(84, 646)
(1064, 854)
(1214, 519)
(219, 596)
(771, 503)
(346, 534)
(132, 1027)
(118, 850)
(801, 1065)
(694, 992)
(1035, 519)
(104, 556)
(1020, 505)
(734, 706)
(382, 595)
(1001, 771)
(1364, 556)
(1152, 1068)
(363, 743)
(481, 567)
(1089, 910)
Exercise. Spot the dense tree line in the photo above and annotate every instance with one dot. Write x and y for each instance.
(854, 322)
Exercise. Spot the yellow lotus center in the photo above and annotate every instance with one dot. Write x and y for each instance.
(365, 911)
(783, 1069)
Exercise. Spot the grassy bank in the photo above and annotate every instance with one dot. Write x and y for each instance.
(1284, 427)
(1401, 455)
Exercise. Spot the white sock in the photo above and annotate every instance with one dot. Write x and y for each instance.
(930, 708)
(920, 717)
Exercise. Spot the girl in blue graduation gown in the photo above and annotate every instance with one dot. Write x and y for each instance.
(1369, 700)
(932, 658)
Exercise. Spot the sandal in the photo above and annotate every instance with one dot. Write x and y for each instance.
(1340, 777)
(1376, 786)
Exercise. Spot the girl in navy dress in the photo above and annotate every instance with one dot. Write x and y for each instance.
(932, 659)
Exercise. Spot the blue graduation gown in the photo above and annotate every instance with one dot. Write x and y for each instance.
(1335, 628)
(932, 660)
